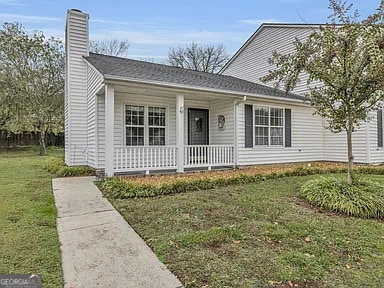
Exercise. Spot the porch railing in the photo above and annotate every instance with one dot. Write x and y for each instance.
(134, 158)
(208, 155)
(145, 158)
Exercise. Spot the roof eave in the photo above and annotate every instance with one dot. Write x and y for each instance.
(201, 89)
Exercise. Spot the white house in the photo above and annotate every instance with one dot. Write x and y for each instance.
(124, 115)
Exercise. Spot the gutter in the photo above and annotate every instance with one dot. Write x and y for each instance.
(237, 103)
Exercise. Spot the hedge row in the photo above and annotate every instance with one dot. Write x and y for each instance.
(119, 187)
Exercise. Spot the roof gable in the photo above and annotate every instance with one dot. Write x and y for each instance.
(259, 31)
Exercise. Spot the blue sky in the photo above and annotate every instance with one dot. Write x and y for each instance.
(154, 26)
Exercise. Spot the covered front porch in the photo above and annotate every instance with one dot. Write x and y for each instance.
(150, 129)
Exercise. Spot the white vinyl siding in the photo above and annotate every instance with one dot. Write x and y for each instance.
(306, 131)
(252, 62)
(94, 82)
(76, 88)
(315, 142)
(225, 135)
(335, 145)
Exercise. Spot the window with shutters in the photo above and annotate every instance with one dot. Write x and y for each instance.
(145, 125)
(269, 126)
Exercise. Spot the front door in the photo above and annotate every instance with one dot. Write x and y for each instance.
(198, 126)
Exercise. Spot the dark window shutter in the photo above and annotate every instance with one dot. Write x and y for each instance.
(288, 140)
(380, 128)
(248, 126)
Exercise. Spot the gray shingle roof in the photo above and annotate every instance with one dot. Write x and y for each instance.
(146, 71)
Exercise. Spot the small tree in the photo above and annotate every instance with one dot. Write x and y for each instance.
(113, 47)
(31, 74)
(197, 57)
(5, 113)
(349, 60)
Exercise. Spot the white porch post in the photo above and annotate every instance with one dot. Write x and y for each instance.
(180, 132)
(109, 129)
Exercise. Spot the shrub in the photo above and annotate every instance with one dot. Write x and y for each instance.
(72, 171)
(54, 164)
(57, 167)
(361, 199)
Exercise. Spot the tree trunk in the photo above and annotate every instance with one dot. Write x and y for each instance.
(42, 143)
(350, 155)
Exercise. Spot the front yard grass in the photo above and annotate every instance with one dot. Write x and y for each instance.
(258, 235)
(28, 236)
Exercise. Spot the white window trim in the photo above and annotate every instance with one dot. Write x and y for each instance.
(146, 126)
(254, 106)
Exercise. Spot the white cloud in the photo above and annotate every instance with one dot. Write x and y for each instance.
(294, 1)
(103, 21)
(144, 57)
(12, 3)
(27, 18)
(258, 22)
(141, 25)
(169, 37)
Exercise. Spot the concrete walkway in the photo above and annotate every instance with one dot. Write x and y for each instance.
(98, 247)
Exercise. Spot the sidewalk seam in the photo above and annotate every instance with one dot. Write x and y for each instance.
(87, 213)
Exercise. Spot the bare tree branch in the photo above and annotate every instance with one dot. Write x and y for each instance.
(208, 58)
(112, 46)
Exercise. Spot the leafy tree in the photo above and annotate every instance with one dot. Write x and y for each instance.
(5, 114)
(31, 74)
(113, 47)
(208, 58)
(349, 60)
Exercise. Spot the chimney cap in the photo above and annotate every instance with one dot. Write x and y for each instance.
(76, 10)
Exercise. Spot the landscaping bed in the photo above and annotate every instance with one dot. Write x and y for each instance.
(154, 185)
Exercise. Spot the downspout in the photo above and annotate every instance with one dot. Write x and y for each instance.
(237, 103)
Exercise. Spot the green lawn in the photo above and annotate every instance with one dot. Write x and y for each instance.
(28, 236)
(258, 235)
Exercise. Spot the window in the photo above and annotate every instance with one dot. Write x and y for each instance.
(269, 126)
(134, 121)
(144, 125)
(156, 124)
(276, 126)
(261, 126)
